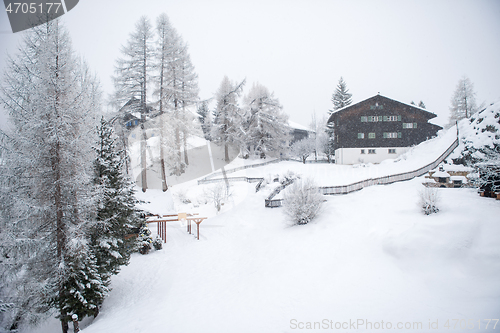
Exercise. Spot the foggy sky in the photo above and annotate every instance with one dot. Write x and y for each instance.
(406, 50)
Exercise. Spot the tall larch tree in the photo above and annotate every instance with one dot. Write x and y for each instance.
(165, 55)
(229, 120)
(133, 76)
(177, 90)
(52, 101)
(267, 130)
(463, 102)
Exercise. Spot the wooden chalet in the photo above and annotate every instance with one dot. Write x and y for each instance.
(379, 128)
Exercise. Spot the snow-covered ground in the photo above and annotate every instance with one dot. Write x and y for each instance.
(369, 256)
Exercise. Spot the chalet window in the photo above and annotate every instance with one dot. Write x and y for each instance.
(392, 151)
(371, 151)
(409, 125)
(371, 135)
(364, 119)
(361, 135)
(362, 151)
(376, 107)
(392, 118)
(393, 135)
(374, 119)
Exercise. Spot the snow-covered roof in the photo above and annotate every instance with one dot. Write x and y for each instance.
(295, 125)
(456, 167)
(413, 106)
(441, 174)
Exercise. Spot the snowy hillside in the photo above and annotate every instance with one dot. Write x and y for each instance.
(370, 256)
(481, 130)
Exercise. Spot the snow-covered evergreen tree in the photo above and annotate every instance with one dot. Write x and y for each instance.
(480, 138)
(133, 76)
(116, 212)
(421, 105)
(205, 119)
(341, 97)
(228, 127)
(83, 289)
(463, 102)
(267, 130)
(52, 101)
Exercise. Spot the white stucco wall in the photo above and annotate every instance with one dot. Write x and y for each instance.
(354, 155)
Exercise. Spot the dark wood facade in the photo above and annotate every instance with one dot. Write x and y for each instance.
(382, 122)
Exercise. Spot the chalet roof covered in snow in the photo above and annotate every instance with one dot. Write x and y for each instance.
(381, 98)
(298, 126)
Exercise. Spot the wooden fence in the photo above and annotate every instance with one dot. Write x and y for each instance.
(345, 189)
(328, 190)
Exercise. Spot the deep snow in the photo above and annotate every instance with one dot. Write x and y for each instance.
(370, 255)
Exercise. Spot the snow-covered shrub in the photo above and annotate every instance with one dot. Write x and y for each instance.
(429, 199)
(158, 243)
(182, 196)
(287, 177)
(217, 193)
(144, 240)
(302, 201)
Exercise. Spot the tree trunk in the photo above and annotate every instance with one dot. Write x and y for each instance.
(226, 152)
(179, 153)
(143, 160)
(185, 150)
(64, 326)
(76, 327)
(164, 185)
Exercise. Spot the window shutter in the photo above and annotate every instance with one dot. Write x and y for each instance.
(399, 118)
(414, 125)
(399, 135)
(379, 118)
(385, 118)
